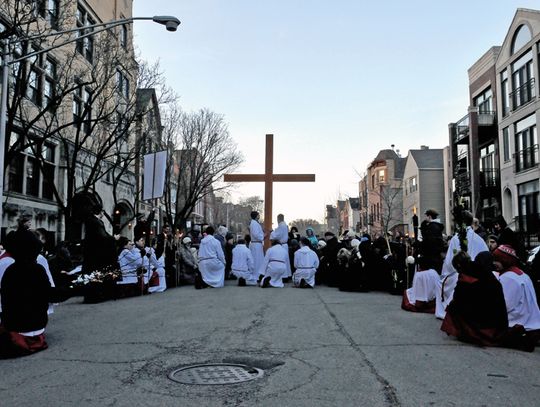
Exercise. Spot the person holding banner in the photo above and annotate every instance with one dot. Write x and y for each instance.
(211, 262)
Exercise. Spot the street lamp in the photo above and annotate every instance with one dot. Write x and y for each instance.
(171, 23)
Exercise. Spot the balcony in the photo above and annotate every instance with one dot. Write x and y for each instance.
(489, 178)
(463, 182)
(462, 129)
(526, 159)
(522, 95)
(486, 118)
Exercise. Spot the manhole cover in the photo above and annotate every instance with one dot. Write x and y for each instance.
(216, 373)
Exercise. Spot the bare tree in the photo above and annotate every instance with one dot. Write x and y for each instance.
(391, 206)
(256, 202)
(83, 110)
(303, 224)
(206, 152)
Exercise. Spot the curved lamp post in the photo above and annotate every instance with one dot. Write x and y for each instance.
(171, 23)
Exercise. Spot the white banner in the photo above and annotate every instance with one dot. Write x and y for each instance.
(155, 165)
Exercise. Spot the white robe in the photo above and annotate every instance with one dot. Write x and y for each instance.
(282, 234)
(520, 299)
(256, 245)
(424, 287)
(243, 265)
(449, 276)
(160, 270)
(212, 262)
(4, 264)
(306, 263)
(274, 265)
(42, 261)
(129, 261)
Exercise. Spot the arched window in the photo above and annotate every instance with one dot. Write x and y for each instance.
(521, 37)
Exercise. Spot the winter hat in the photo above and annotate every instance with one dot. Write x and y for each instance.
(506, 255)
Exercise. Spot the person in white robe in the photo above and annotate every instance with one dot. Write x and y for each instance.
(129, 260)
(281, 233)
(306, 263)
(243, 265)
(157, 283)
(449, 276)
(519, 293)
(421, 296)
(256, 243)
(274, 265)
(211, 261)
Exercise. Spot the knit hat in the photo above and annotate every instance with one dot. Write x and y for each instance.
(506, 255)
(186, 240)
(355, 243)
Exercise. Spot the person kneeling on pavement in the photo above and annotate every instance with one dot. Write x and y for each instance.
(306, 263)
(274, 266)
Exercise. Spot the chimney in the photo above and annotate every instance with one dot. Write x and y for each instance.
(424, 147)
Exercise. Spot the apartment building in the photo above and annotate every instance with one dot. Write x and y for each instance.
(518, 104)
(71, 115)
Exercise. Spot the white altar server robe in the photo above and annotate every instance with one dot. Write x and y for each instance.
(282, 234)
(274, 265)
(449, 275)
(243, 265)
(256, 245)
(306, 263)
(212, 262)
(520, 299)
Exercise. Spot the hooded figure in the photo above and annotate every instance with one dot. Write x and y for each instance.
(187, 262)
(310, 234)
(25, 294)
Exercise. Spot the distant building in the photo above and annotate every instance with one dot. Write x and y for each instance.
(423, 185)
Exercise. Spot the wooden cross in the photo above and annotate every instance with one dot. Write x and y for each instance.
(269, 178)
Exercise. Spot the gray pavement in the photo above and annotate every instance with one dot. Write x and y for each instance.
(318, 347)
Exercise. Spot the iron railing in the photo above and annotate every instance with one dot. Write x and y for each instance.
(489, 178)
(522, 95)
(526, 158)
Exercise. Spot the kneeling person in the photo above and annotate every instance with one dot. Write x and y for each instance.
(274, 267)
(421, 296)
(211, 262)
(306, 262)
(243, 265)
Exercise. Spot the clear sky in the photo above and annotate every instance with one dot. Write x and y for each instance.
(335, 82)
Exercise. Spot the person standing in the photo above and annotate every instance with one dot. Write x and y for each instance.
(166, 247)
(306, 263)
(243, 265)
(211, 262)
(281, 234)
(256, 243)
(99, 248)
(432, 245)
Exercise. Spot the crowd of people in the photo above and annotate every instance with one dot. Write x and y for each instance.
(474, 281)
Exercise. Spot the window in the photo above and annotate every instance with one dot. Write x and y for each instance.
(122, 83)
(412, 184)
(484, 102)
(16, 167)
(49, 85)
(521, 37)
(528, 200)
(48, 9)
(506, 145)
(33, 88)
(488, 173)
(123, 36)
(82, 108)
(526, 144)
(522, 81)
(32, 176)
(85, 46)
(47, 183)
(381, 176)
(504, 93)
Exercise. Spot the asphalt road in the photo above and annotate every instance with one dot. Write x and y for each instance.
(317, 347)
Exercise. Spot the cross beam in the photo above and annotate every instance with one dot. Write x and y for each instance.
(269, 178)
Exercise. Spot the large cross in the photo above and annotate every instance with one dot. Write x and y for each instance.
(269, 178)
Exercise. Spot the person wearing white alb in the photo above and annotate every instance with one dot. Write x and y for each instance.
(306, 263)
(281, 233)
(211, 262)
(256, 243)
(449, 275)
(243, 264)
(274, 266)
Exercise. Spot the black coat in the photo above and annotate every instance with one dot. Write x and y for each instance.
(99, 247)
